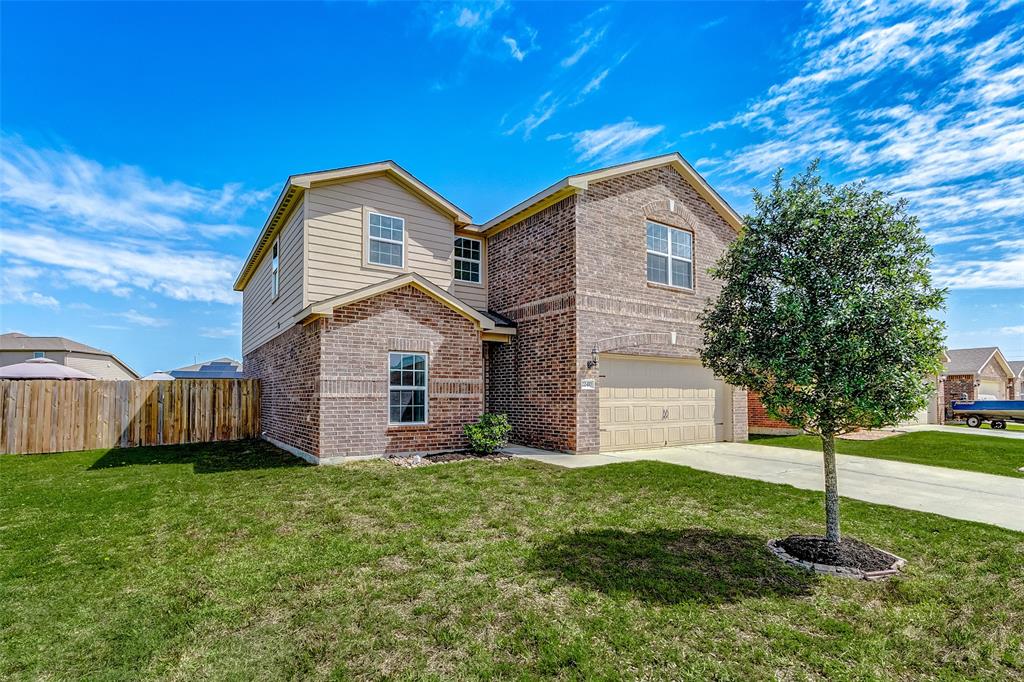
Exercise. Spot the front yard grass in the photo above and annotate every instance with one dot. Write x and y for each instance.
(237, 561)
(987, 454)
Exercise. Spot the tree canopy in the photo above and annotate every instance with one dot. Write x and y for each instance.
(827, 307)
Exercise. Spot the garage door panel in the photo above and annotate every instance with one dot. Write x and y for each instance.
(653, 403)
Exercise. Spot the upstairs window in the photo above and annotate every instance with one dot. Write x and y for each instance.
(407, 388)
(467, 259)
(669, 256)
(275, 270)
(387, 240)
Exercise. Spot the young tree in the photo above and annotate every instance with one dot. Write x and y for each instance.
(825, 312)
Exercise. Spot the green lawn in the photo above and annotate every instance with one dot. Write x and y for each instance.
(987, 454)
(235, 561)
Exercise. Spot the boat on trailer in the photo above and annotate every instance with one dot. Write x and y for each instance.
(998, 412)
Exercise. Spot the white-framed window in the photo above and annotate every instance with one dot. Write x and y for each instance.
(467, 259)
(387, 240)
(275, 269)
(38, 354)
(669, 256)
(407, 388)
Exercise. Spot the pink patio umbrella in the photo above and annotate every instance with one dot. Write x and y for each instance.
(42, 368)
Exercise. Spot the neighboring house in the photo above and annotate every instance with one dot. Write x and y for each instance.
(975, 372)
(221, 368)
(1016, 391)
(380, 319)
(15, 347)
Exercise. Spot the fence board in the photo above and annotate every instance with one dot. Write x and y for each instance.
(58, 416)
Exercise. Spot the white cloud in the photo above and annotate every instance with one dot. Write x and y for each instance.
(712, 23)
(513, 48)
(60, 183)
(140, 319)
(1019, 329)
(584, 43)
(920, 98)
(120, 266)
(544, 108)
(609, 141)
(484, 27)
(19, 281)
(1005, 272)
(73, 222)
(219, 332)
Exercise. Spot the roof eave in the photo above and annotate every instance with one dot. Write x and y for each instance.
(326, 307)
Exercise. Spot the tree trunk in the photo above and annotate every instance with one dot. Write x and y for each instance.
(828, 449)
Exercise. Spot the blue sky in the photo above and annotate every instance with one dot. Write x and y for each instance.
(143, 143)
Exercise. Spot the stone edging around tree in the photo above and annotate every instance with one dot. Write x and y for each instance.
(840, 571)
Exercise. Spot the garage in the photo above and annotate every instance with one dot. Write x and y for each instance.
(657, 402)
(992, 387)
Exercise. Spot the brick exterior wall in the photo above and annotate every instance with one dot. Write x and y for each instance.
(354, 383)
(325, 384)
(574, 278)
(759, 421)
(288, 367)
(531, 268)
(953, 386)
(617, 309)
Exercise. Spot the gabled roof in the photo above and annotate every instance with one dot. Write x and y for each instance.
(221, 368)
(327, 306)
(573, 183)
(18, 341)
(1017, 366)
(973, 360)
(296, 185)
(55, 344)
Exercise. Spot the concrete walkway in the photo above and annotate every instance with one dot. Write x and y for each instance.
(1019, 435)
(998, 500)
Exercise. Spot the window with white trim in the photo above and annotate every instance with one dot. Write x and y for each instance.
(39, 354)
(407, 388)
(387, 240)
(275, 270)
(669, 256)
(467, 259)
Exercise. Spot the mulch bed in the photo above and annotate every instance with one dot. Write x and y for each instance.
(848, 553)
(871, 435)
(446, 458)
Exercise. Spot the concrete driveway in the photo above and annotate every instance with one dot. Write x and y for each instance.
(1018, 435)
(998, 500)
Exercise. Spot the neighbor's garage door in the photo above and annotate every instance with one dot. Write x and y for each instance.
(994, 387)
(650, 402)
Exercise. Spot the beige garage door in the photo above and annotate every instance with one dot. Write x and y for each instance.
(650, 403)
(992, 387)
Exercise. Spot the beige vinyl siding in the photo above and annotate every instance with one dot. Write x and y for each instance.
(473, 294)
(337, 237)
(100, 366)
(263, 318)
(13, 357)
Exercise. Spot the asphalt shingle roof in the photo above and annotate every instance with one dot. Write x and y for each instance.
(17, 341)
(967, 360)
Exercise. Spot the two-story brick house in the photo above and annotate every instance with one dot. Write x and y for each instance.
(381, 319)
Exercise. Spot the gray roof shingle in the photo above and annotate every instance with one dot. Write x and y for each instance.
(967, 360)
(17, 341)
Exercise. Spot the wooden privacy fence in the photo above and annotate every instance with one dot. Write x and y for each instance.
(58, 416)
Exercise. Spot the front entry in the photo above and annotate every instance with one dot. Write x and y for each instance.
(655, 402)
